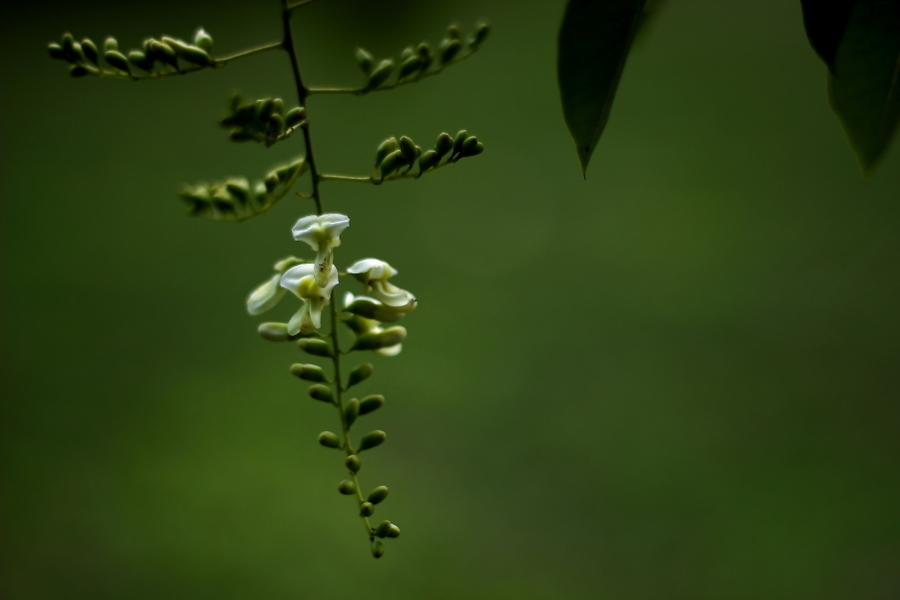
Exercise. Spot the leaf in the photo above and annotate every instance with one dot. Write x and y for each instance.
(594, 41)
(825, 22)
(864, 89)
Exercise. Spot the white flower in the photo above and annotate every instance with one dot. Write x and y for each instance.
(370, 326)
(301, 281)
(323, 234)
(375, 274)
(265, 296)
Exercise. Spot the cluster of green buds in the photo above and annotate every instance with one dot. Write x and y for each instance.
(155, 58)
(236, 199)
(419, 61)
(262, 121)
(395, 159)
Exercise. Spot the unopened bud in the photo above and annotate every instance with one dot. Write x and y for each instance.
(408, 149)
(425, 56)
(315, 347)
(391, 163)
(428, 160)
(382, 529)
(353, 463)
(371, 403)
(139, 59)
(110, 43)
(377, 548)
(274, 332)
(308, 372)
(443, 145)
(461, 137)
(117, 60)
(271, 181)
(56, 51)
(329, 440)
(371, 440)
(385, 148)
(448, 50)
(360, 374)
(384, 339)
(454, 32)
(409, 66)
(321, 393)
(90, 50)
(239, 188)
(351, 411)
(276, 124)
(294, 116)
(468, 145)
(78, 71)
(366, 509)
(482, 30)
(365, 60)
(347, 487)
(378, 494)
(203, 40)
(381, 74)
(394, 531)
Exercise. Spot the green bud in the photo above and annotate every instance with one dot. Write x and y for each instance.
(203, 40)
(164, 53)
(482, 30)
(428, 160)
(139, 59)
(443, 145)
(468, 145)
(384, 339)
(351, 411)
(239, 189)
(408, 148)
(394, 531)
(222, 201)
(309, 372)
(274, 332)
(382, 528)
(329, 440)
(68, 46)
(458, 140)
(347, 487)
(381, 74)
(448, 50)
(478, 149)
(271, 181)
(407, 52)
(279, 105)
(90, 50)
(110, 44)
(56, 51)
(364, 60)
(321, 393)
(408, 67)
(145, 45)
(353, 463)
(366, 509)
(360, 374)
(371, 440)
(386, 147)
(454, 32)
(117, 60)
(78, 71)
(425, 56)
(392, 162)
(79, 52)
(265, 109)
(191, 54)
(377, 548)
(371, 403)
(276, 125)
(378, 494)
(315, 347)
(294, 116)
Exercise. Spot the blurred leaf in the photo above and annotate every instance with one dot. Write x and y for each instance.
(825, 22)
(864, 88)
(593, 44)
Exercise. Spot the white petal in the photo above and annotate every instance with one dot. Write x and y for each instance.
(321, 230)
(390, 350)
(349, 298)
(391, 295)
(371, 269)
(265, 296)
(333, 280)
(315, 313)
(295, 325)
(293, 276)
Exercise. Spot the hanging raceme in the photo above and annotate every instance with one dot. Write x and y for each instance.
(369, 316)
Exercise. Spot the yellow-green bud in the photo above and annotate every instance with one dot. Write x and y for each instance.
(117, 60)
(382, 528)
(381, 74)
(394, 531)
(321, 393)
(454, 32)
(384, 339)
(353, 463)
(366, 509)
(385, 148)
(392, 162)
(408, 148)
(309, 372)
(428, 160)
(448, 50)
(371, 403)
(139, 59)
(274, 332)
(110, 43)
(351, 411)
(371, 440)
(56, 51)
(360, 374)
(482, 30)
(315, 347)
(347, 488)
(191, 54)
(203, 40)
(378, 494)
(329, 440)
(364, 60)
(407, 52)
(68, 46)
(164, 53)
(294, 116)
(90, 50)
(377, 548)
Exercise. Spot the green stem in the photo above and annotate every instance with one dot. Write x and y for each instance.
(374, 181)
(251, 52)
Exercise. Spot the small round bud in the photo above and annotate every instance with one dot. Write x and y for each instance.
(117, 60)
(425, 55)
(110, 43)
(366, 509)
(391, 163)
(377, 548)
(139, 60)
(385, 148)
(371, 440)
(409, 67)
(56, 51)
(274, 332)
(394, 531)
(360, 374)
(454, 32)
(78, 71)
(164, 53)
(351, 411)
(308, 372)
(90, 50)
(329, 439)
(203, 40)
(408, 149)
(276, 124)
(382, 529)
(448, 50)
(371, 403)
(378, 494)
(353, 463)
(482, 30)
(347, 487)
(365, 60)
(468, 145)
(322, 393)
(68, 46)
(315, 347)
(381, 74)
(271, 181)
(443, 145)
(461, 137)
(428, 160)
(294, 116)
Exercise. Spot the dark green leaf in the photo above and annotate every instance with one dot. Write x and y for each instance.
(825, 22)
(593, 44)
(864, 89)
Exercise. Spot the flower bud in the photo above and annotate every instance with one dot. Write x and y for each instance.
(391, 163)
(482, 30)
(394, 532)
(425, 56)
(351, 411)
(443, 145)
(164, 53)
(271, 180)
(378, 494)
(366, 509)
(110, 43)
(117, 60)
(461, 137)
(276, 125)
(239, 188)
(428, 160)
(468, 145)
(377, 548)
(78, 71)
(56, 51)
(353, 463)
(409, 66)
(321, 393)
(360, 374)
(365, 60)
(371, 403)
(294, 116)
(308, 372)
(382, 528)
(385, 148)
(384, 339)
(329, 440)
(347, 488)
(454, 32)
(274, 332)
(139, 59)
(90, 50)
(191, 54)
(408, 149)
(381, 74)
(314, 346)
(371, 440)
(448, 50)
(203, 40)
(68, 46)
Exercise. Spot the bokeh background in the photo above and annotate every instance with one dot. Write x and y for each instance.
(676, 379)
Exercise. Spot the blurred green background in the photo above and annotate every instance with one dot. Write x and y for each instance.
(677, 379)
